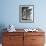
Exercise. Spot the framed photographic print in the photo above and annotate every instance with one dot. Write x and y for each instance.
(26, 13)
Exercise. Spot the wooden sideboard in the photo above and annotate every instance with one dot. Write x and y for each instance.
(23, 38)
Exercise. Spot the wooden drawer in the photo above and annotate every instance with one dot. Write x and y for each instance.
(12, 39)
(37, 39)
(13, 33)
(34, 33)
(20, 44)
(33, 39)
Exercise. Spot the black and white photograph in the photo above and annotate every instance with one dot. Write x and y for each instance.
(26, 13)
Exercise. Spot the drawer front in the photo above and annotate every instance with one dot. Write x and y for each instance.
(34, 33)
(13, 33)
(37, 39)
(12, 39)
(33, 40)
(12, 44)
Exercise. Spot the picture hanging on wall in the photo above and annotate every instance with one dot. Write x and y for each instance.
(26, 13)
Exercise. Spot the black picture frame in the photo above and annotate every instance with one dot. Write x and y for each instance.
(26, 13)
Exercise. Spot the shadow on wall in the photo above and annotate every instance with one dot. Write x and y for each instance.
(2, 26)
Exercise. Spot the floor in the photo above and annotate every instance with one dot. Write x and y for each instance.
(0, 44)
